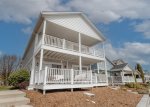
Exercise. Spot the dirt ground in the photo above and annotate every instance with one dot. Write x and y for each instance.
(104, 97)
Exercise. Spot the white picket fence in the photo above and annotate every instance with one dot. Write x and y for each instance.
(122, 79)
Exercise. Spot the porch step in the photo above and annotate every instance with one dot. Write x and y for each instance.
(24, 106)
(13, 98)
(11, 93)
(10, 102)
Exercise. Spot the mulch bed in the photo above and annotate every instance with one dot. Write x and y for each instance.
(104, 97)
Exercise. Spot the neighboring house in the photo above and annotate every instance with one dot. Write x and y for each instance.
(147, 76)
(61, 51)
(122, 73)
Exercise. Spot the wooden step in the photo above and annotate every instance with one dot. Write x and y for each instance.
(12, 102)
(11, 94)
(24, 106)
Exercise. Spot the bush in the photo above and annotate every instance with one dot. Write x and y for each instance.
(136, 85)
(19, 78)
(143, 91)
(23, 85)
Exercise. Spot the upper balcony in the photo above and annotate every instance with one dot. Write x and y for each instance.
(71, 46)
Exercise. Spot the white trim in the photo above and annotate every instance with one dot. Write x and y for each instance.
(105, 64)
(43, 32)
(73, 66)
(70, 52)
(41, 59)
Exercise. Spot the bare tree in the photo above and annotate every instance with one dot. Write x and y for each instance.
(8, 63)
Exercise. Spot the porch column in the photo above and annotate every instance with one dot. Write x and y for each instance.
(32, 72)
(79, 37)
(67, 64)
(41, 63)
(43, 32)
(122, 76)
(98, 67)
(105, 64)
(32, 78)
(80, 59)
(80, 63)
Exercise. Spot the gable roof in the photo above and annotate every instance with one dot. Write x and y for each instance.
(45, 14)
(118, 61)
(76, 21)
(118, 67)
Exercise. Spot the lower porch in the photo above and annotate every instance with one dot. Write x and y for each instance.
(58, 78)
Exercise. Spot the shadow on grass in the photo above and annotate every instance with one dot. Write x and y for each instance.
(3, 88)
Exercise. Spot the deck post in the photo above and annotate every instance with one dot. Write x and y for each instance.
(98, 68)
(71, 89)
(122, 76)
(32, 71)
(64, 43)
(91, 76)
(32, 77)
(44, 92)
(105, 64)
(43, 32)
(96, 78)
(72, 79)
(80, 63)
(72, 74)
(45, 75)
(41, 62)
(67, 64)
(79, 37)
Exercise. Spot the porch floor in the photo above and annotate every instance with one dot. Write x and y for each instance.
(67, 86)
(62, 86)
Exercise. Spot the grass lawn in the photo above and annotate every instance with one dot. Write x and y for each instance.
(2, 88)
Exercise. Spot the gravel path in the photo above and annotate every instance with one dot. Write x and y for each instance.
(104, 97)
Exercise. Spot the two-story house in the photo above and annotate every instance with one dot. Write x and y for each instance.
(61, 50)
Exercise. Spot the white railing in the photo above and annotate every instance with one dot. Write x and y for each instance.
(68, 76)
(72, 46)
(138, 79)
(128, 79)
(55, 75)
(64, 76)
(82, 76)
(92, 51)
(122, 79)
(60, 43)
(115, 79)
(99, 78)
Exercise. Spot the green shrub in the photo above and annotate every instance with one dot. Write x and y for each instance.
(143, 91)
(136, 85)
(18, 77)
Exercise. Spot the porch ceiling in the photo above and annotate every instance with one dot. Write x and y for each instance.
(62, 32)
(66, 57)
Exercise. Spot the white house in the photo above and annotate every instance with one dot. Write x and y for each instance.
(122, 73)
(61, 50)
